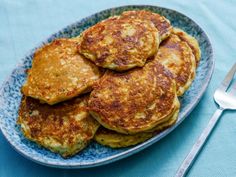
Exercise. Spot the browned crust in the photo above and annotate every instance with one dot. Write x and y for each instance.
(161, 23)
(191, 41)
(58, 122)
(118, 97)
(117, 140)
(177, 56)
(120, 44)
(59, 73)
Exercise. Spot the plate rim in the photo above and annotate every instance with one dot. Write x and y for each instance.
(132, 150)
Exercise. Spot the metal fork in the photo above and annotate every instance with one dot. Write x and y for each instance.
(225, 97)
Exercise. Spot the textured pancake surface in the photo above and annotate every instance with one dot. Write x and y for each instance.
(117, 140)
(65, 128)
(177, 56)
(172, 116)
(161, 23)
(191, 41)
(134, 101)
(120, 44)
(59, 73)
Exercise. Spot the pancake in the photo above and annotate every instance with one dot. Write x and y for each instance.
(117, 140)
(65, 128)
(120, 44)
(113, 139)
(59, 73)
(134, 101)
(161, 23)
(191, 41)
(177, 56)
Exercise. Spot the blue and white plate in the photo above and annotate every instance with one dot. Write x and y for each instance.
(95, 154)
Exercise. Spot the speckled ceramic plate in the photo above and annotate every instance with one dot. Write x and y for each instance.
(95, 154)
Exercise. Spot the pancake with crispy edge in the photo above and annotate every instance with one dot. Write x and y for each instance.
(113, 139)
(134, 101)
(177, 56)
(120, 44)
(59, 73)
(65, 128)
(191, 41)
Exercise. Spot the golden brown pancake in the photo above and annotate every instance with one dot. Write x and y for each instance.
(120, 44)
(65, 128)
(177, 56)
(59, 73)
(161, 23)
(113, 139)
(191, 41)
(134, 101)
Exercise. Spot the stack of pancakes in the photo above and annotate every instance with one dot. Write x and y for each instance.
(117, 83)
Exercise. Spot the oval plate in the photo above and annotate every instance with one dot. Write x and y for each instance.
(95, 154)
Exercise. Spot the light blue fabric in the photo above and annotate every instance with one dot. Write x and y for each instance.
(23, 24)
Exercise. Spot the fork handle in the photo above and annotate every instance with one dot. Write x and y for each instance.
(188, 161)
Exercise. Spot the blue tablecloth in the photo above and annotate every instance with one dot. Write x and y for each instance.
(23, 24)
